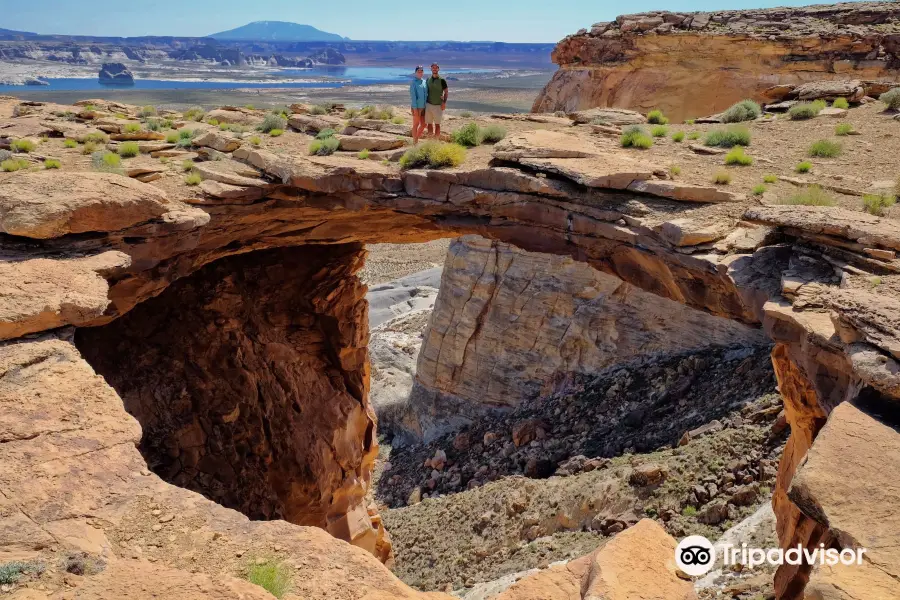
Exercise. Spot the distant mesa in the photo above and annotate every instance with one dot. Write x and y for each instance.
(35, 81)
(278, 31)
(116, 74)
(327, 56)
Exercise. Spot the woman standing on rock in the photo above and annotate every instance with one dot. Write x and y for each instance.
(418, 92)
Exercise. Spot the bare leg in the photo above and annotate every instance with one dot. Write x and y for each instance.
(437, 132)
(430, 130)
(415, 126)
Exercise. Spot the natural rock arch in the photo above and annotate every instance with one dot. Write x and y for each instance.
(544, 191)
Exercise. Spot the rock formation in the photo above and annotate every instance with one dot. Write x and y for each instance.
(510, 325)
(74, 481)
(696, 64)
(116, 74)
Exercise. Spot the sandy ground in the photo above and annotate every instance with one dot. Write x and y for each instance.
(387, 262)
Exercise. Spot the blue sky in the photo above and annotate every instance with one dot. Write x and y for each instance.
(499, 20)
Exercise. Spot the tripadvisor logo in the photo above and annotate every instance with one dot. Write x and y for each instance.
(696, 555)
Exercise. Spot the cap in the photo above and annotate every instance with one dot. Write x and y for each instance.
(419, 68)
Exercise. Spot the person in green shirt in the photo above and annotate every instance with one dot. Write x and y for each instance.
(436, 101)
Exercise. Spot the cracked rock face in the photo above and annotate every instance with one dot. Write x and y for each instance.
(667, 60)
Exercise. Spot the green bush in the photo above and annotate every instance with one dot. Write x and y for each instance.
(398, 120)
(812, 195)
(324, 147)
(24, 146)
(363, 154)
(282, 111)
(840, 103)
(325, 133)
(492, 134)
(250, 107)
(656, 117)
(89, 148)
(109, 162)
(843, 129)
(70, 144)
(803, 167)
(129, 149)
(52, 163)
(729, 137)
(255, 140)
(172, 137)
(659, 131)
(154, 124)
(465, 114)
(193, 178)
(276, 132)
(745, 110)
(194, 114)
(97, 138)
(147, 111)
(722, 177)
(758, 190)
(433, 154)
(770, 178)
(825, 149)
(689, 511)
(891, 98)
(272, 576)
(876, 204)
(678, 136)
(636, 137)
(381, 114)
(214, 122)
(805, 110)
(690, 121)
(737, 156)
(468, 135)
(271, 122)
(187, 165)
(674, 170)
(694, 135)
(184, 137)
(14, 164)
(318, 109)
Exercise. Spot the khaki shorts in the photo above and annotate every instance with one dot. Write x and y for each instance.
(433, 114)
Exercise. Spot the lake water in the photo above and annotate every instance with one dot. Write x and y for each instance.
(325, 77)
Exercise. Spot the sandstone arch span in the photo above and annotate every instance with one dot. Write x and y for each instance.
(220, 277)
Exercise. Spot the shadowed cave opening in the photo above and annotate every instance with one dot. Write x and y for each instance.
(248, 379)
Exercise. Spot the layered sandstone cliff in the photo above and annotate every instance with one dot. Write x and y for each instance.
(695, 64)
(510, 325)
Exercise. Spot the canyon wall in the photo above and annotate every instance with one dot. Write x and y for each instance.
(696, 64)
(510, 325)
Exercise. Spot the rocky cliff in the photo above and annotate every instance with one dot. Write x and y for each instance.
(695, 64)
(509, 325)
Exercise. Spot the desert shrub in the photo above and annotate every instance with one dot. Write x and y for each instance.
(689, 511)
(193, 178)
(843, 129)
(758, 190)
(318, 109)
(840, 103)
(745, 110)
(656, 117)
(129, 150)
(636, 137)
(5, 154)
(89, 148)
(324, 147)
(213, 122)
(109, 162)
(363, 154)
(14, 164)
(70, 144)
(97, 138)
(678, 136)
(770, 178)
(674, 170)
(722, 177)
(23, 145)
(282, 111)
(433, 154)
(147, 111)
(728, 137)
(276, 132)
(694, 135)
(381, 114)
(194, 114)
(272, 576)
(492, 134)
(172, 137)
(690, 121)
(11, 572)
(659, 131)
(805, 110)
(825, 149)
(90, 108)
(52, 163)
(184, 137)
(271, 122)
(398, 120)
(803, 167)
(468, 135)
(465, 114)
(812, 195)
(737, 156)
(164, 159)
(154, 124)
(250, 107)
(325, 133)
(255, 140)
(876, 204)
(187, 165)
(44, 138)
(891, 98)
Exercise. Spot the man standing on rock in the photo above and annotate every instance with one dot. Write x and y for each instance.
(436, 102)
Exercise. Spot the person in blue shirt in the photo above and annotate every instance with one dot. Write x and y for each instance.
(418, 93)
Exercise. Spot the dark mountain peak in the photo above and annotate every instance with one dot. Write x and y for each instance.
(280, 31)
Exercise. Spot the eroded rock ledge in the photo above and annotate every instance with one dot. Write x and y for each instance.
(67, 437)
(696, 64)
